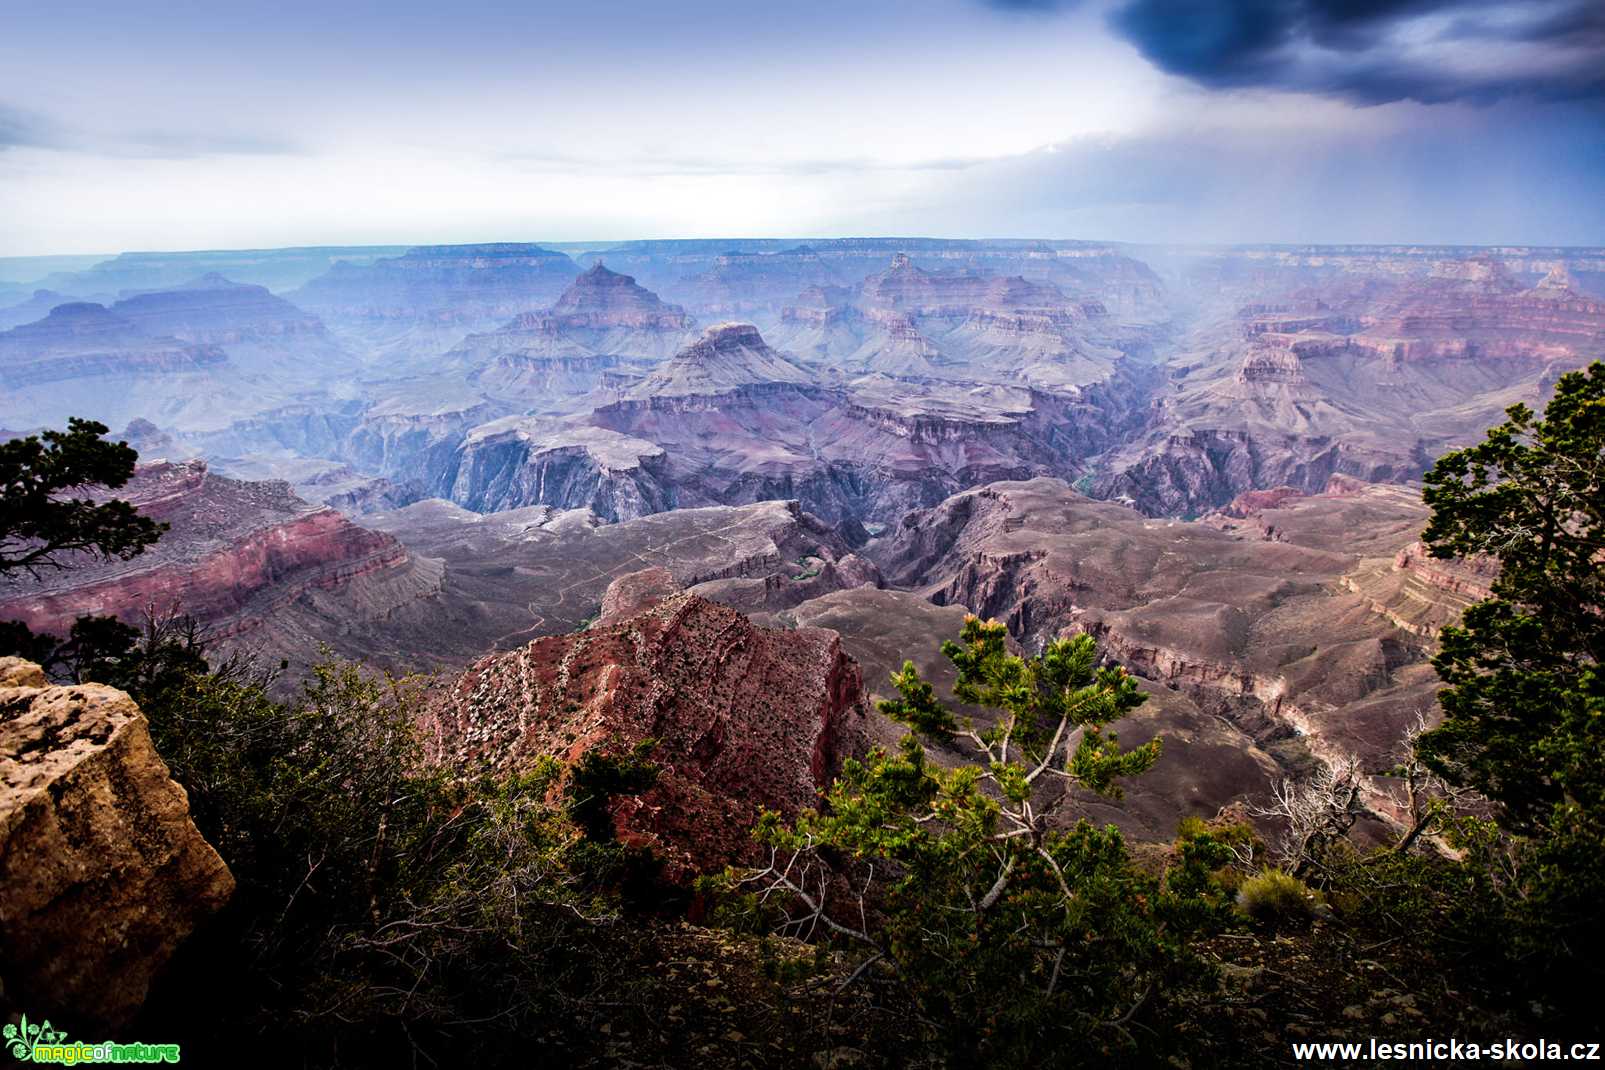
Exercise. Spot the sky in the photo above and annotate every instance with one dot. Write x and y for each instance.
(218, 124)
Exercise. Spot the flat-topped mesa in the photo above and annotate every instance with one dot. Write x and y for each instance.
(36, 307)
(442, 283)
(727, 357)
(73, 323)
(211, 308)
(102, 872)
(745, 718)
(906, 287)
(738, 283)
(82, 340)
(1478, 274)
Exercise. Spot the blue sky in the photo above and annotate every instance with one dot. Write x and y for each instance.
(205, 125)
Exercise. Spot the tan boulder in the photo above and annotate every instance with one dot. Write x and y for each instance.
(102, 872)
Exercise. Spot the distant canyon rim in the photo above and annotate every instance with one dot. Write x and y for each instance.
(426, 457)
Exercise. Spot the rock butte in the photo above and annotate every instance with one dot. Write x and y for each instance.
(746, 718)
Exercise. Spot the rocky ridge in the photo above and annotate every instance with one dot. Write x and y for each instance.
(746, 718)
(245, 559)
(1258, 632)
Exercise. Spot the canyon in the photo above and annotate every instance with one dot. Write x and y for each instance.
(441, 457)
(256, 565)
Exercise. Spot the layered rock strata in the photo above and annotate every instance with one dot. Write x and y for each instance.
(746, 718)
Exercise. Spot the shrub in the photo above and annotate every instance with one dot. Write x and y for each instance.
(1277, 900)
(384, 907)
(1017, 935)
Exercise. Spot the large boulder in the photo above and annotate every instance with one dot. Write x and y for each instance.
(102, 872)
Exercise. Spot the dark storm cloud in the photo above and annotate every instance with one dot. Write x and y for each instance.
(1376, 51)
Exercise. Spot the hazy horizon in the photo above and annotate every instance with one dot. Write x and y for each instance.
(1467, 122)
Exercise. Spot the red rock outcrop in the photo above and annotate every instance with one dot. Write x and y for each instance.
(746, 718)
(235, 554)
(1470, 578)
(1252, 501)
(102, 872)
(1421, 593)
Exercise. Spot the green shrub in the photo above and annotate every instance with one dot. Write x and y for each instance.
(1015, 939)
(1277, 900)
(384, 906)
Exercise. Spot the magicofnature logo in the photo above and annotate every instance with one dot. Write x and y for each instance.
(31, 1042)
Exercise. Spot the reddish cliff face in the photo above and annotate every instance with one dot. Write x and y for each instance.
(1475, 309)
(746, 718)
(235, 553)
(1471, 578)
(1421, 593)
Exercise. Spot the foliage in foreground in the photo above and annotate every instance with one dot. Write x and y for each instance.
(1524, 695)
(1015, 937)
(41, 525)
(384, 907)
(1500, 867)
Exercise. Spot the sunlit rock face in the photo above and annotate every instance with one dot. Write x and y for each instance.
(745, 718)
(102, 872)
(521, 461)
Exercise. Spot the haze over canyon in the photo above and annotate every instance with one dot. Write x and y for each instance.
(1207, 457)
